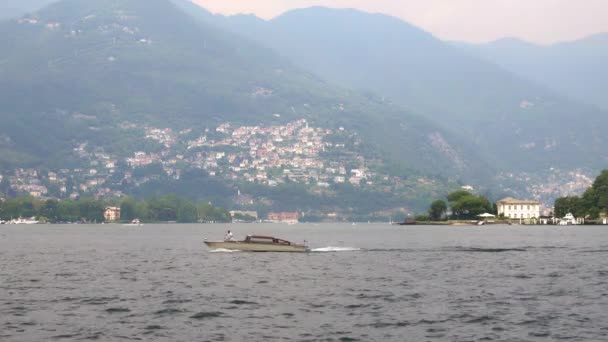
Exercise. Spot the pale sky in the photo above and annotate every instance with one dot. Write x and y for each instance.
(539, 21)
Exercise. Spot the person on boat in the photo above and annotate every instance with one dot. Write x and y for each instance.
(228, 236)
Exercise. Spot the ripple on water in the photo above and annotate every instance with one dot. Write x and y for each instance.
(154, 327)
(98, 300)
(483, 250)
(64, 336)
(356, 306)
(207, 315)
(398, 284)
(94, 336)
(117, 310)
(522, 276)
(177, 301)
(169, 312)
(480, 319)
(242, 302)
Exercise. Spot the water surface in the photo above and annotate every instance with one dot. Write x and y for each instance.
(364, 282)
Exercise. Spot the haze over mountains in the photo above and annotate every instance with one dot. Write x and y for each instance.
(78, 71)
(10, 9)
(576, 69)
(517, 123)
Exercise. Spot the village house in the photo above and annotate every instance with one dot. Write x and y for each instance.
(518, 209)
(111, 214)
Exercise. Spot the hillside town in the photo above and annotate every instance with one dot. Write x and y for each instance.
(272, 155)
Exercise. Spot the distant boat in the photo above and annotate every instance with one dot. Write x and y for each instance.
(134, 223)
(24, 221)
(568, 220)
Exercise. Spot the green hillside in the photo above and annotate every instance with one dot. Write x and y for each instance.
(78, 72)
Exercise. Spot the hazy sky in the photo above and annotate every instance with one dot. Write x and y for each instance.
(541, 21)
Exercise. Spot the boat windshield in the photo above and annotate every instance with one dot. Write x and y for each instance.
(266, 239)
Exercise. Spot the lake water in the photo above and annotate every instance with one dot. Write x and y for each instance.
(365, 282)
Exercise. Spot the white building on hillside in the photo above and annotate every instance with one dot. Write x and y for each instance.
(518, 209)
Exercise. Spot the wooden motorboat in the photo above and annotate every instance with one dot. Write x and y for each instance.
(258, 243)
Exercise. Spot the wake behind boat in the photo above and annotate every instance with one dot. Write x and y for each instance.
(259, 243)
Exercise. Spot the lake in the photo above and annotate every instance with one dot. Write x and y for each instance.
(364, 282)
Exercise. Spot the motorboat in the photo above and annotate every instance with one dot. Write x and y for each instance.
(568, 220)
(134, 223)
(258, 243)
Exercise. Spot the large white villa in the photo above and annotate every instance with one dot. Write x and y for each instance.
(518, 209)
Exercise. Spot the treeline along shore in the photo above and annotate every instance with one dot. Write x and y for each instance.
(460, 207)
(87, 210)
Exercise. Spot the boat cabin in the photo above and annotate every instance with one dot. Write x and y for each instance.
(265, 239)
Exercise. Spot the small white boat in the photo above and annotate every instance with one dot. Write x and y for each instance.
(134, 223)
(259, 243)
(568, 220)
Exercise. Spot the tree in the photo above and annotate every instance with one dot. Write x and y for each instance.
(11, 209)
(50, 210)
(68, 211)
(600, 188)
(591, 204)
(91, 210)
(467, 206)
(565, 205)
(209, 213)
(458, 195)
(187, 213)
(27, 207)
(437, 210)
(128, 209)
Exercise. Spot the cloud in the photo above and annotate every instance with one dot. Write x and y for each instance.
(541, 21)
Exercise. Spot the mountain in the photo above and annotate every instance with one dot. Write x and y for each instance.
(517, 124)
(93, 78)
(576, 69)
(10, 9)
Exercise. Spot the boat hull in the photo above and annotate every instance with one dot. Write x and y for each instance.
(256, 246)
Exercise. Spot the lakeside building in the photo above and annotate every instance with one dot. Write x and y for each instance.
(111, 214)
(518, 209)
(284, 217)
